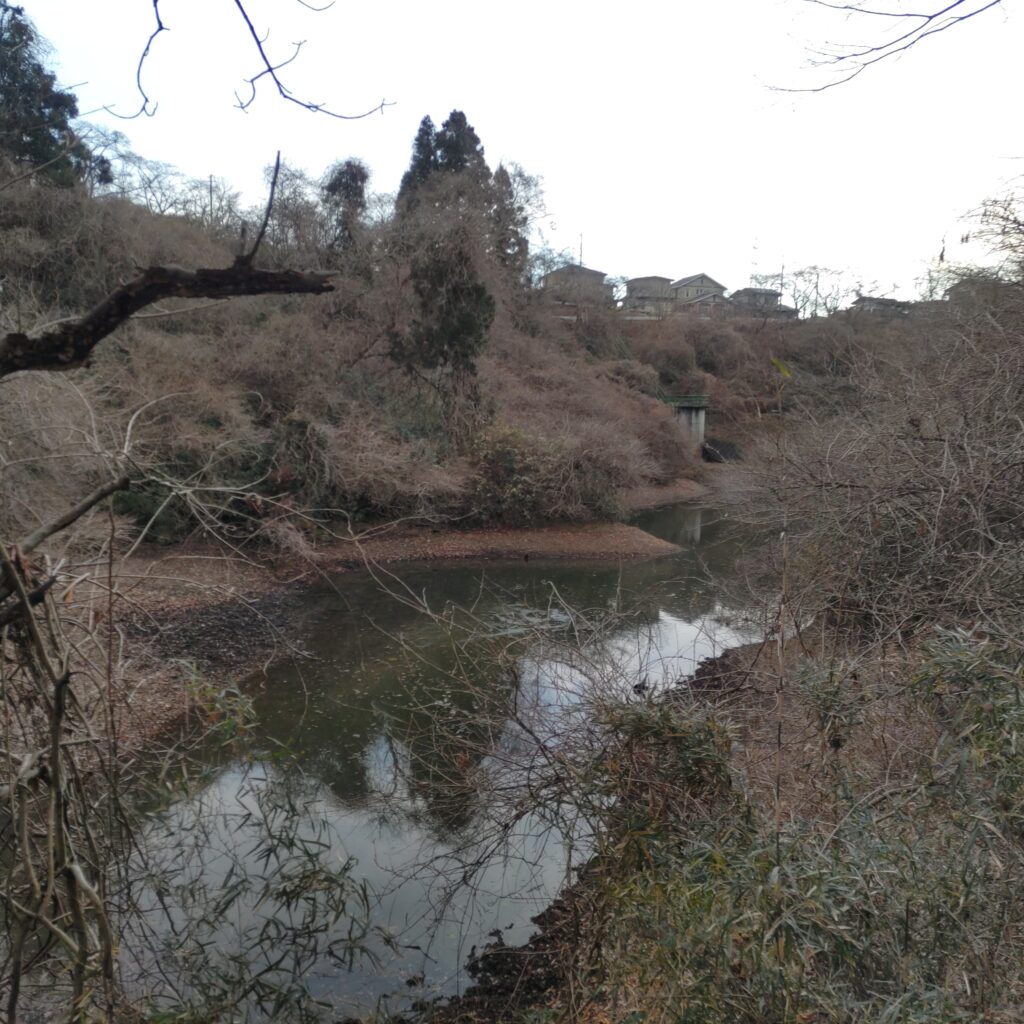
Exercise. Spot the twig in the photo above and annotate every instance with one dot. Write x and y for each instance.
(270, 70)
(864, 57)
(144, 109)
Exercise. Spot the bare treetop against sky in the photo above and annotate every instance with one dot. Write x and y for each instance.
(660, 129)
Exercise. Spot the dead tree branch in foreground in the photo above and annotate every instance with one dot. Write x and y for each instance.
(71, 344)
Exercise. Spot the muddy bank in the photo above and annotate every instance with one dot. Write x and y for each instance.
(511, 981)
(428, 543)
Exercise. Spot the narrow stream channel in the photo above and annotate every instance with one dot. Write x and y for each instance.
(329, 781)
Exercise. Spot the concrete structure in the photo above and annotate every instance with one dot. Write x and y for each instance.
(706, 307)
(574, 285)
(692, 412)
(655, 296)
(701, 296)
(982, 292)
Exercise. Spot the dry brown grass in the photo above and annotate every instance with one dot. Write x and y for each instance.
(815, 711)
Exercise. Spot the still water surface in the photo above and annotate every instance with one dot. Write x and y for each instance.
(352, 793)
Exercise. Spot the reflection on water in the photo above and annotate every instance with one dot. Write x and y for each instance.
(384, 740)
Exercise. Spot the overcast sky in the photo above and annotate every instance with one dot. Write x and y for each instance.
(657, 128)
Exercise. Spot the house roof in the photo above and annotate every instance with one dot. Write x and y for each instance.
(575, 268)
(649, 277)
(756, 291)
(683, 281)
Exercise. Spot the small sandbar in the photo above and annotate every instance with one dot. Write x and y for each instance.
(584, 541)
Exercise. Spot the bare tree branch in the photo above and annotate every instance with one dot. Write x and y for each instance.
(29, 543)
(270, 70)
(854, 61)
(35, 596)
(71, 344)
(145, 107)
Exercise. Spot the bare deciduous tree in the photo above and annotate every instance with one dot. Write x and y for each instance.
(813, 290)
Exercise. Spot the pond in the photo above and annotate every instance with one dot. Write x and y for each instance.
(341, 843)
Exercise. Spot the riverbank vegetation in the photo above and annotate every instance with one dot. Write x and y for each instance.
(836, 836)
(822, 827)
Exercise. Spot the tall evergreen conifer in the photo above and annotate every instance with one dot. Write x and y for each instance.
(458, 147)
(35, 114)
(424, 160)
(509, 224)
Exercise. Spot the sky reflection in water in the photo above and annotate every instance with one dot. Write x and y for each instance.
(359, 784)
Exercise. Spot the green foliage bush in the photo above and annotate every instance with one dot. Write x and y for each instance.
(899, 907)
(976, 686)
(873, 920)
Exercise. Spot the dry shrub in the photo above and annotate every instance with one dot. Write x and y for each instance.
(661, 344)
(69, 249)
(718, 348)
(53, 450)
(634, 375)
(521, 477)
(542, 392)
(908, 506)
(363, 463)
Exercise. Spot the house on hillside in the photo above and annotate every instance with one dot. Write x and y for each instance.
(696, 286)
(890, 309)
(765, 302)
(650, 295)
(699, 295)
(982, 291)
(575, 285)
